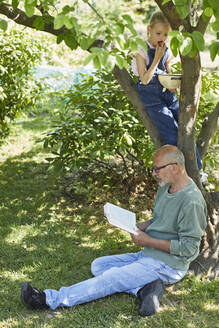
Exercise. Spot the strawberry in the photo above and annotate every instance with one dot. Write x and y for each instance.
(160, 43)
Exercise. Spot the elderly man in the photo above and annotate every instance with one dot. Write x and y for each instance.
(170, 241)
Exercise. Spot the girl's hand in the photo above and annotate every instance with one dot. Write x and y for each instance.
(160, 51)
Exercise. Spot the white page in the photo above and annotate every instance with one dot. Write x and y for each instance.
(120, 217)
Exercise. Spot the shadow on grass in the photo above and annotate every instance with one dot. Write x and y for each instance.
(45, 238)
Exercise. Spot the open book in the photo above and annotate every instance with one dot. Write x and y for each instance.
(120, 217)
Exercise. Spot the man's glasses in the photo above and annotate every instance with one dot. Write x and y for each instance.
(158, 168)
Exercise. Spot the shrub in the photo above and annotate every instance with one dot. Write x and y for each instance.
(18, 55)
(99, 129)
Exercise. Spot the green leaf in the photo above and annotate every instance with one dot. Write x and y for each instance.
(213, 4)
(60, 38)
(85, 42)
(103, 56)
(70, 41)
(29, 9)
(134, 46)
(119, 61)
(131, 29)
(95, 49)
(181, 2)
(66, 9)
(89, 58)
(193, 51)
(215, 25)
(127, 18)
(68, 23)
(120, 42)
(174, 45)
(183, 11)
(3, 24)
(39, 23)
(186, 46)
(110, 63)
(174, 33)
(59, 21)
(180, 38)
(96, 62)
(142, 43)
(127, 139)
(214, 50)
(119, 28)
(165, 1)
(198, 40)
(15, 4)
(208, 12)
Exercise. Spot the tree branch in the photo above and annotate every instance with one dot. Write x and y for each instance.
(209, 128)
(172, 16)
(19, 17)
(129, 88)
(96, 12)
(202, 24)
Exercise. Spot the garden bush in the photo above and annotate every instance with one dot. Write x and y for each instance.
(18, 89)
(99, 129)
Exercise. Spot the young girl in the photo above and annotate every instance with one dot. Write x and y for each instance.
(162, 106)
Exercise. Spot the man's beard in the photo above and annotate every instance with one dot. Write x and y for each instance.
(161, 183)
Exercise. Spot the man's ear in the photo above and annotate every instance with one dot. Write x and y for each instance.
(175, 168)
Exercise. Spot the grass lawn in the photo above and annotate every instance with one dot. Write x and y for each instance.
(50, 239)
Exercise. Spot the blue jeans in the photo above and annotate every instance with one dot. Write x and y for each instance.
(163, 108)
(116, 273)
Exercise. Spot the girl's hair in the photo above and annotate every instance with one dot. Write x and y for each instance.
(158, 17)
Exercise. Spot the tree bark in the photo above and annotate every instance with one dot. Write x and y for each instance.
(209, 127)
(207, 263)
(129, 88)
(189, 101)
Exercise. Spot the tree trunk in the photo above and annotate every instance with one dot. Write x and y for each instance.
(207, 263)
(209, 128)
(189, 101)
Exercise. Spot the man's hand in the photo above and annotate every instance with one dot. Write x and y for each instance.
(140, 239)
(143, 239)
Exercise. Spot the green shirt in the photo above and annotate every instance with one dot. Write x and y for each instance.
(181, 218)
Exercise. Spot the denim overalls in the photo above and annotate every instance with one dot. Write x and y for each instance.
(162, 106)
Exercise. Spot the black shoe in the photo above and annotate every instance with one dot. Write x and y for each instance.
(32, 297)
(150, 296)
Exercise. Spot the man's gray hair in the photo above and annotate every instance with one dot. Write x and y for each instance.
(174, 154)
